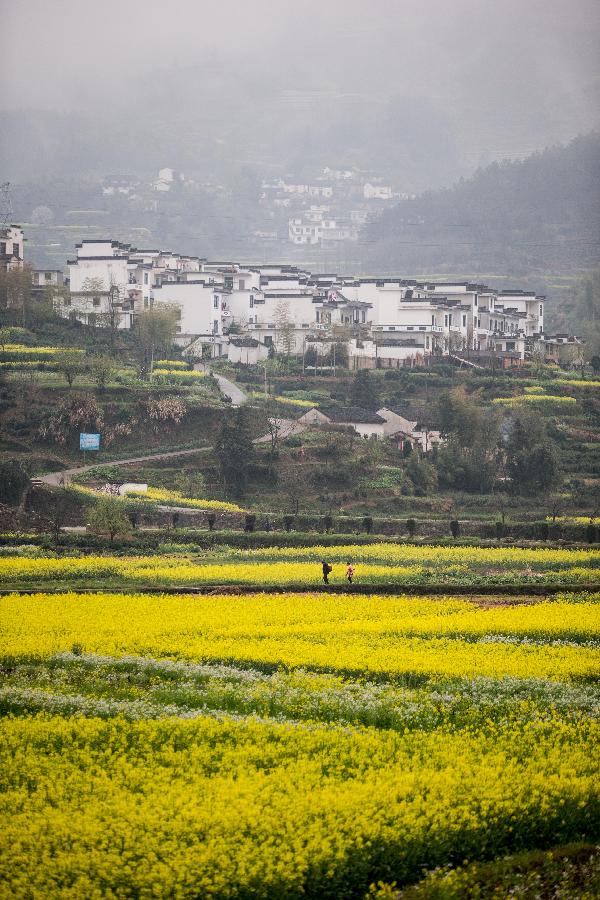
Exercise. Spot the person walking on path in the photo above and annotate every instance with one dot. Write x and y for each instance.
(326, 570)
(350, 572)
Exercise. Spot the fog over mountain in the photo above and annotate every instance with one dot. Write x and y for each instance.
(422, 91)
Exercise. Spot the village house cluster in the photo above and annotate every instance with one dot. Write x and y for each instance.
(245, 312)
(329, 208)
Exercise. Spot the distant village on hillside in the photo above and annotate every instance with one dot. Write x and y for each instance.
(247, 312)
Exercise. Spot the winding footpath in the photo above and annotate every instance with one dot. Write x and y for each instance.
(65, 476)
(286, 428)
(227, 387)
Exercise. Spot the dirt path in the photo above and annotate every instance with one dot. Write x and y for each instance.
(231, 390)
(66, 476)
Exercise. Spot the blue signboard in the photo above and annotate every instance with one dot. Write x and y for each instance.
(89, 441)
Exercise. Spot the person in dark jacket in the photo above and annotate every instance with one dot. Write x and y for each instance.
(326, 570)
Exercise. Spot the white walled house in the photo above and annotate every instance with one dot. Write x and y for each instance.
(377, 191)
(199, 306)
(42, 279)
(12, 242)
(402, 429)
(246, 350)
(366, 423)
(392, 321)
(103, 262)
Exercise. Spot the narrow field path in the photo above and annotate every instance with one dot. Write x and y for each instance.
(229, 388)
(65, 477)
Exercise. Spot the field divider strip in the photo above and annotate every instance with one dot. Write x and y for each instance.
(524, 591)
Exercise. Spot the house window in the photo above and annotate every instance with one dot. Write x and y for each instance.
(48, 276)
(541, 309)
(427, 342)
(3, 248)
(475, 300)
(67, 301)
(410, 327)
(268, 339)
(145, 278)
(364, 316)
(91, 318)
(510, 345)
(96, 301)
(464, 321)
(242, 284)
(251, 301)
(445, 321)
(15, 249)
(216, 303)
(216, 326)
(433, 320)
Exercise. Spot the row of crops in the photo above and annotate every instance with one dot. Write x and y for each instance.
(289, 745)
(386, 563)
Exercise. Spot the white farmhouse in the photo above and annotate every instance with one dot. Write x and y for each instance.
(366, 423)
(198, 305)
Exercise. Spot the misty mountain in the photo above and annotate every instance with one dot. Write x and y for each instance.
(526, 218)
(407, 140)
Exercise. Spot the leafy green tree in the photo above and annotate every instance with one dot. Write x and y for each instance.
(191, 484)
(102, 369)
(14, 480)
(460, 416)
(234, 451)
(156, 329)
(109, 517)
(70, 364)
(364, 391)
(421, 473)
(531, 460)
(469, 459)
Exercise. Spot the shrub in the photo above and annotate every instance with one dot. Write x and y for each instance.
(455, 528)
(327, 523)
(249, 522)
(288, 521)
(591, 533)
(544, 531)
(367, 524)
(411, 527)
(211, 519)
(499, 530)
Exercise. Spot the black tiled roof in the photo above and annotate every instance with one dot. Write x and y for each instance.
(348, 414)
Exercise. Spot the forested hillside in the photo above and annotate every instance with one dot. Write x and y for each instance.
(536, 218)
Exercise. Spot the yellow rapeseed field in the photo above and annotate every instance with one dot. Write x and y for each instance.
(391, 635)
(221, 809)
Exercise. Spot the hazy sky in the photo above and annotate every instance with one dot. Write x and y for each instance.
(57, 52)
(497, 65)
